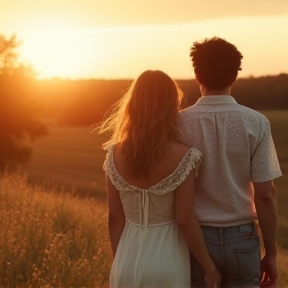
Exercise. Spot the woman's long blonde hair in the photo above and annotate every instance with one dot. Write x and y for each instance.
(144, 121)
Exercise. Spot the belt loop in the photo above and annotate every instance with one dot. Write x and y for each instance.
(221, 234)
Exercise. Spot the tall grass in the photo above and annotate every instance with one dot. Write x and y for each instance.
(51, 239)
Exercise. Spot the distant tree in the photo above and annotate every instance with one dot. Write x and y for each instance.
(8, 55)
(18, 121)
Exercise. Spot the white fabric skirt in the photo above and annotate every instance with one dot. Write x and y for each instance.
(155, 257)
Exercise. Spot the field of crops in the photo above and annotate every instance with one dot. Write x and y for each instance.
(53, 233)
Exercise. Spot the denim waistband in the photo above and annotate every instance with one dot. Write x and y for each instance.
(231, 234)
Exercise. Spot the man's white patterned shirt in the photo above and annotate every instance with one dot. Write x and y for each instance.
(237, 149)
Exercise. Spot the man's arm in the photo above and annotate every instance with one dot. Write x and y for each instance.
(266, 207)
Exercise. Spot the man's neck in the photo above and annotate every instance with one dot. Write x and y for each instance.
(209, 92)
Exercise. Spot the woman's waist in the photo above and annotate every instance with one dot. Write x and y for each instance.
(150, 223)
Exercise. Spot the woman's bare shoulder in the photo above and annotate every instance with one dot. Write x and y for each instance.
(179, 148)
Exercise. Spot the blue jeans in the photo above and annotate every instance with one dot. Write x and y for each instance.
(236, 253)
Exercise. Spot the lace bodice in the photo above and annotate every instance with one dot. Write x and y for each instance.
(155, 205)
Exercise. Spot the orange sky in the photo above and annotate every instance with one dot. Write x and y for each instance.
(121, 38)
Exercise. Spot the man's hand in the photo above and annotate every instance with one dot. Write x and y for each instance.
(269, 272)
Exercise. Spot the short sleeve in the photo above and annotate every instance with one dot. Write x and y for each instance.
(112, 173)
(107, 165)
(264, 162)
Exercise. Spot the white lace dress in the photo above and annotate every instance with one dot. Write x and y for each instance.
(151, 251)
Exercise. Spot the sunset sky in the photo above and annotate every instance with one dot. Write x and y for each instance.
(122, 38)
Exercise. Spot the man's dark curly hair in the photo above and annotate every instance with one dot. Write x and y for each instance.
(216, 62)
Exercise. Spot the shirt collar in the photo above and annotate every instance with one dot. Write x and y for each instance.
(215, 99)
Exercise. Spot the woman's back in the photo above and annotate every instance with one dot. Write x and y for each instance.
(159, 171)
(149, 201)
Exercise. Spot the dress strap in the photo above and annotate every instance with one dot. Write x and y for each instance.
(190, 161)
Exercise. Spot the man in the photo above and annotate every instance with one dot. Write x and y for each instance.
(235, 186)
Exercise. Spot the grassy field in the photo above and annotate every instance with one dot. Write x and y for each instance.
(279, 127)
(50, 238)
(70, 158)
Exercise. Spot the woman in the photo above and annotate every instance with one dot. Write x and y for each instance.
(150, 179)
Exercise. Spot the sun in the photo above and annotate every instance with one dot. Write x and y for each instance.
(54, 50)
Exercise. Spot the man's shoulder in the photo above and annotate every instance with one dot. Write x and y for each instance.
(252, 114)
(195, 111)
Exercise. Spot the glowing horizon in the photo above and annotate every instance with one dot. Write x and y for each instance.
(68, 47)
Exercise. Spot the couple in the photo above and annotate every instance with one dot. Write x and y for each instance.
(164, 204)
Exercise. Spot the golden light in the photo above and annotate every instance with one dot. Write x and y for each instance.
(62, 50)
(55, 50)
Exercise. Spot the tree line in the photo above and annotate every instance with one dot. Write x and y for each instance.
(84, 102)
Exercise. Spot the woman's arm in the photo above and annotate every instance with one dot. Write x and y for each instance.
(191, 230)
(116, 217)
